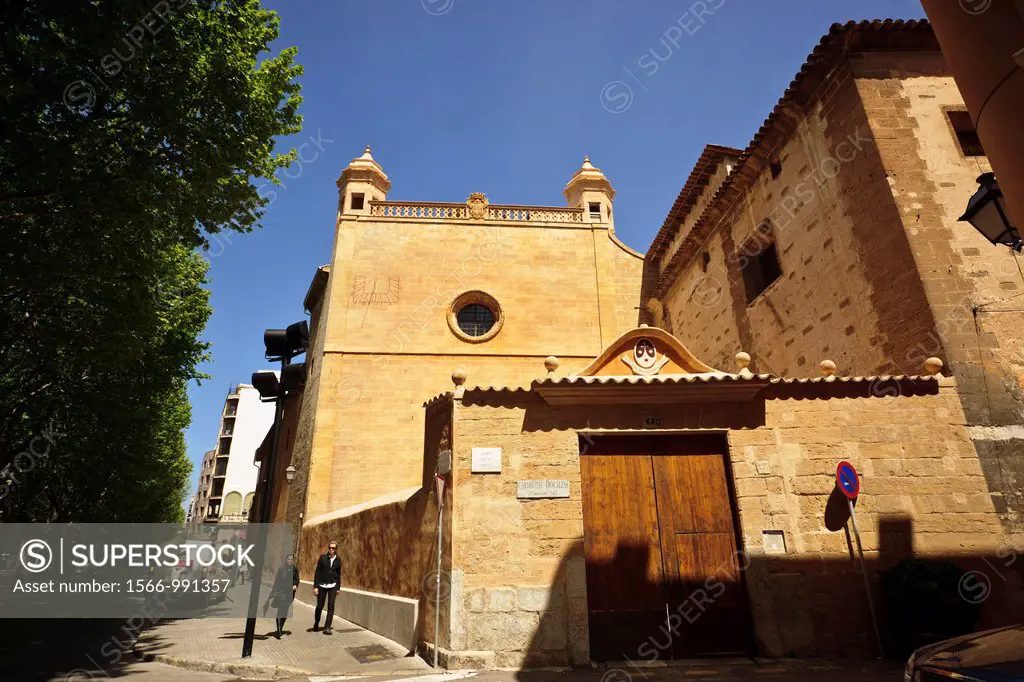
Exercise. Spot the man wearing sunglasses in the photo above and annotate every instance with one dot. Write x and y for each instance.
(325, 585)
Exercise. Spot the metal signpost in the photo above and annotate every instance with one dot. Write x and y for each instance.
(439, 481)
(283, 345)
(849, 484)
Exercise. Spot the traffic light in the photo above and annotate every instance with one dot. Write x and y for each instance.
(267, 384)
(293, 377)
(298, 337)
(286, 343)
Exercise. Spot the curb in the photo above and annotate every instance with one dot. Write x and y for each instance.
(239, 669)
(255, 670)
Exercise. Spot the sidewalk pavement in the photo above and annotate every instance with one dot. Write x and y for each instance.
(215, 645)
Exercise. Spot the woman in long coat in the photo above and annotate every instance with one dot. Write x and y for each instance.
(283, 592)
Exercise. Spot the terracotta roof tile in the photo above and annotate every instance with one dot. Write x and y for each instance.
(674, 379)
(659, 379)
(707, 163)
(445, 397)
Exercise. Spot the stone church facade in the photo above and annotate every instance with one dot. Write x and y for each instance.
(648, 472)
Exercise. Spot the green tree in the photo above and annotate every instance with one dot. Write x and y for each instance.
(132, 131)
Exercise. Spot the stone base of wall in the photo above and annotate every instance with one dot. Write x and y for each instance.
(388, 616)
(491, 660)
(517, 626)
(457, 660)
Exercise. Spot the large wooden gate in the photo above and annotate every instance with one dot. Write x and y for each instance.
(663, 575)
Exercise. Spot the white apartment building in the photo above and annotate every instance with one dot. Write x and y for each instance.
(232, 474)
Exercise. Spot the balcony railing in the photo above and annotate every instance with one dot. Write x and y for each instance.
(410, 209)
(524, 214)
(535, 214)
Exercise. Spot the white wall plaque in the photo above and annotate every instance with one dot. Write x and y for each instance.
(774, 541)
(486, 461)
(534, 489)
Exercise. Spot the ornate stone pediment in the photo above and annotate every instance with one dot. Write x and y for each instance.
(649, 366)
(646, 351)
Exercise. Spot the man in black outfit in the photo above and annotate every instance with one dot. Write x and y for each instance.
(326, 580)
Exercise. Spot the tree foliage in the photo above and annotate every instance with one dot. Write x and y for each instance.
(132, 131)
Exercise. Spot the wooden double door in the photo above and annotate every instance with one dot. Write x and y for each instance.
(664, 577)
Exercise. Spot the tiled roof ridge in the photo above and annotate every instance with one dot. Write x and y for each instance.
(706, 377)
(710, 158)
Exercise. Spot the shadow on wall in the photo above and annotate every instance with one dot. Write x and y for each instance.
(389, 547)
(777, 605)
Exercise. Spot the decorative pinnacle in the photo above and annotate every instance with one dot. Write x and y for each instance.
(742, 360)
(933, 366)
(827, 368)
(459, 377)
(367, 150)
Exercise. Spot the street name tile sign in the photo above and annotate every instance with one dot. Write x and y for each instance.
(486, 461)
(546, 488)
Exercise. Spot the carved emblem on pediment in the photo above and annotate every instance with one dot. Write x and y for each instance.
(643, 359)
(477, 204)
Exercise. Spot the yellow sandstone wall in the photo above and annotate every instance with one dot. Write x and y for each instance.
(307, 404)
(520, 564)
(389, 545)
(847, 290)
(564, 290)
(972, 287)
(877, 274)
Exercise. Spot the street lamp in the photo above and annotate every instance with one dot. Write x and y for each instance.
(283, 345)
(986, 211)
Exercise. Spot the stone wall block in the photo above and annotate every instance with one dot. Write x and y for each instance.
(532, 598)
(477, 600)
(501, 599)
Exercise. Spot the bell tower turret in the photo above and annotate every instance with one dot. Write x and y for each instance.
(360, 183)
(590, 190)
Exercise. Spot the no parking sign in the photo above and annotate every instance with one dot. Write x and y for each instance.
(849, 482)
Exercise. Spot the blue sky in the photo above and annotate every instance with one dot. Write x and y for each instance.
(505, 98)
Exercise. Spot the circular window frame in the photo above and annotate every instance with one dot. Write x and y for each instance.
(475, 297)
